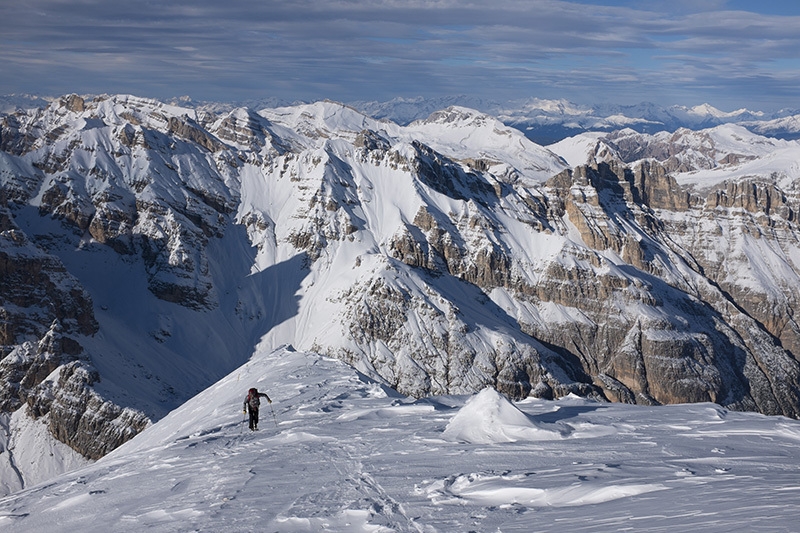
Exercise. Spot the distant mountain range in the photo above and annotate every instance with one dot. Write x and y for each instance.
(548, 121)
(542, 121)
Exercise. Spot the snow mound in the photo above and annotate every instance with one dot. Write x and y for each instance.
(488, 417)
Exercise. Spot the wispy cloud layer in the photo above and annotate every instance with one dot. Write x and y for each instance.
(622, 51)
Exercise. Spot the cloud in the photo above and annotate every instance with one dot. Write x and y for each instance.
(378, 49)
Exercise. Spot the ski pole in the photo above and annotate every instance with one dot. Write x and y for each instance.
(241, 427)
(274, 418)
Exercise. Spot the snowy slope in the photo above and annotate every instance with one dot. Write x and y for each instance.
(582, 149)
(345, 454)
(30, 455)
(754, 155)
(463, 133)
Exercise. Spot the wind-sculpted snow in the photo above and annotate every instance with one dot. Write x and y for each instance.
(489, 417)
(344, 453)
(441, 257)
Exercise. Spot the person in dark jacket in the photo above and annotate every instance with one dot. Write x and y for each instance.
(251, 403)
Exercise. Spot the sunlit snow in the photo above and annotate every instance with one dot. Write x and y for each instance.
(339, 452)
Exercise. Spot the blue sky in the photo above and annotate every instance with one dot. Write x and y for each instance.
(729, 53)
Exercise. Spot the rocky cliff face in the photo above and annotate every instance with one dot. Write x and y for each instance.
(705, 343)
(441, 257)
(45, 370)
(735, 223)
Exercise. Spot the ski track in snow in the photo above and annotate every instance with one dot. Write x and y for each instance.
(348, 455)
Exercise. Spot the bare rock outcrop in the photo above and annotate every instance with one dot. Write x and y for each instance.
(81, 418)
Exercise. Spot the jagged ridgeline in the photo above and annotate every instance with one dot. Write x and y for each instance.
(146, 249)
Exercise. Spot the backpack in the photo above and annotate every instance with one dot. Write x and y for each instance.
(253, 399)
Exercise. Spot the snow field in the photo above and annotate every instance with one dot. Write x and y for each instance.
(344, 453)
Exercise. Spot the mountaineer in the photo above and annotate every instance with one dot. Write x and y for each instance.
(252, 402)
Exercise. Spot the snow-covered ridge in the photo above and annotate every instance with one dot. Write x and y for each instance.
(338, 452)
(702, 158)
(464, 134)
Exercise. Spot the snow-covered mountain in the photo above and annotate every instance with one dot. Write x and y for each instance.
(407, 110)
(339, 452)
(9, 103)
(147, 249)
(699, 158)
(548, 121)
